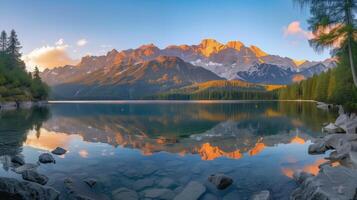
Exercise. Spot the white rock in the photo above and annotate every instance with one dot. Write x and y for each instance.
(331, 128)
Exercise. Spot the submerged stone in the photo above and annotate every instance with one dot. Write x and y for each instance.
(263, 195)
(46, 158)
(143, 183)
(59, 151)
(124, 193)
(192, 191)
(159, 193)
(25, 167)
(18, 160)
(33, 176)
(13, 189)
(221, 181)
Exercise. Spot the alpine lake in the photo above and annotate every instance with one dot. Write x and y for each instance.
(148, 146)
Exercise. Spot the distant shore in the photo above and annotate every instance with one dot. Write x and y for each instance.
(13, 105)
(166, 101)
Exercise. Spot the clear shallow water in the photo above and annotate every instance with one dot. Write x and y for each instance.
(142, 145)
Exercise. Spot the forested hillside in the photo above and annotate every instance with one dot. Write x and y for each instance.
(16, 84)
(222, 90)
(334, 86)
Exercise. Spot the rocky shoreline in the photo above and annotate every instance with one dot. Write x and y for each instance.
(13, 105)
(337, 178)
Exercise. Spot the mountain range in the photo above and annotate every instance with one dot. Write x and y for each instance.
(148, 69)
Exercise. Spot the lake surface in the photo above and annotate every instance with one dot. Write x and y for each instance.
(145, 145)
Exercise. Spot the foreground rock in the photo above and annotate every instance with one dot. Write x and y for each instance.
(332, 128)
(221, 181)
(192, 191)
(344, 146)
(59, 151)
(263, 195)
(330, 183)
(46, 158)
(13, 189)
(124, 193)
(33, 176)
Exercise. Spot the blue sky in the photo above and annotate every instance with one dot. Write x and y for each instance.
(122, 24)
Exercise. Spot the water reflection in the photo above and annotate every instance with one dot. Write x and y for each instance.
(14, 126)
(210, 130)
(122, 143)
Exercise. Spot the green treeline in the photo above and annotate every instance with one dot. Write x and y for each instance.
(219, 95)
(16, 84)
(334, 86)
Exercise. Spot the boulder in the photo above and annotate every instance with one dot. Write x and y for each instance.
(330, 183)
(332, 128)
(192, 191)
(46, 158)
(14, 189)
(221, 181)
(263, 195)
(341, 119)
(59, 151)
(347, 122)
(33, 176)
(17, 160)
(124, 193)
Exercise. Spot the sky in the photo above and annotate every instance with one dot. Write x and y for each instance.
(55, 33)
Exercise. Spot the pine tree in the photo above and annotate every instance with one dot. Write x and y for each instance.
(3, 41)
(14, 47)
(36, 74)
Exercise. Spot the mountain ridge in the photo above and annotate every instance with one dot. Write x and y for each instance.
(225, 60)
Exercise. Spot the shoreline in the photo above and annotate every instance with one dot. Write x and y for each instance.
(13, 105)
(164, 101)
(337, 177)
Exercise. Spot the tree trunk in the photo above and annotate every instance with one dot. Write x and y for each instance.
(349, 21)
(350, 55)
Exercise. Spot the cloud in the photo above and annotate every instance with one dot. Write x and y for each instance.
(49, 56)
(294, 29)
(82, 42)
(60, 42)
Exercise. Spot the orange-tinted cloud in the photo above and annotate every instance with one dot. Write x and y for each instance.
(294, 29)
(49, 56)
(49, 140)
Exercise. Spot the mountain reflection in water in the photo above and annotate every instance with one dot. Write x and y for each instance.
(190, 140)
(209, 130)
